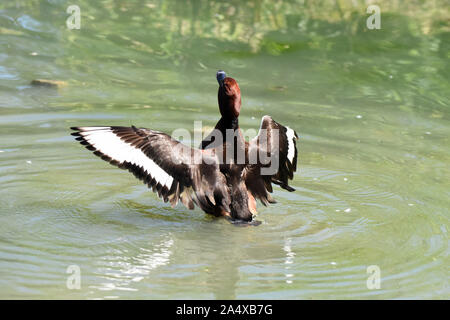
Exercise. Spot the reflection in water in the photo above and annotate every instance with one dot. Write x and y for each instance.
(124, 270)
(223, 275)
(289, 260)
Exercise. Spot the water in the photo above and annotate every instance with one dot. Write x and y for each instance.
(370, 107)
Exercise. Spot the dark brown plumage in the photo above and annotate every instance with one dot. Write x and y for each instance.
(223, 177)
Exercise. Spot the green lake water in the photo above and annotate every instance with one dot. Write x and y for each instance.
(371, 108)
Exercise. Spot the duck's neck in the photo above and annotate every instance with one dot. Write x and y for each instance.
(233, 124)
(227, 123)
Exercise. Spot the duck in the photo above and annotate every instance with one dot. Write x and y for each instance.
(224, 176)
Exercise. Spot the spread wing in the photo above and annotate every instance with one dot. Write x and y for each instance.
(173, 170)
(275, 151)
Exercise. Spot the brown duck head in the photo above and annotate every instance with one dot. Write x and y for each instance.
(229, 96)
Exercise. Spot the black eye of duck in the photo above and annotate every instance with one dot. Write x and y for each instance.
(221, 187)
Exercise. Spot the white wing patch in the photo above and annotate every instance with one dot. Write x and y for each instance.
(105, 141)
(291, 147)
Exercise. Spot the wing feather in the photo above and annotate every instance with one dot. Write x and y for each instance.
(279, 142)
(164, 164)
